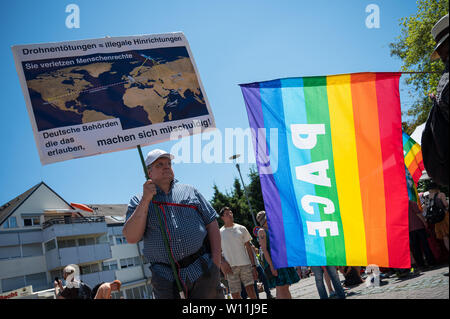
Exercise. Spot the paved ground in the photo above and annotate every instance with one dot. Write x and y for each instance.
(430, 284)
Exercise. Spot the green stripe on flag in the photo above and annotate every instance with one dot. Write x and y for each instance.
(315, 89)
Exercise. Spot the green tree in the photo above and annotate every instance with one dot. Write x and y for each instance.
(219, 199)
(254, 191)
(414, 47)
(237, 201)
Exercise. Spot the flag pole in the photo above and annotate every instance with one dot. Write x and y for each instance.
(163, 232)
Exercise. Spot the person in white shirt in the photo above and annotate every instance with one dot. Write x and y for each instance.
(238, 261)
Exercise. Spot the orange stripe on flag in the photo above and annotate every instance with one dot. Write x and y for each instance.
(370, 163)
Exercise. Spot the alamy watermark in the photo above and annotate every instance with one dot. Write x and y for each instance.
(373, 19)
(73, 19)
(373, 276)
(217, 146)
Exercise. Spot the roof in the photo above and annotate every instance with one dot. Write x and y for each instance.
(114, 213)
(10, 207)
(7, 209)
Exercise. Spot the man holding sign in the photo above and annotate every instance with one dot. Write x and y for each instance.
(96, 96)
(191, 227)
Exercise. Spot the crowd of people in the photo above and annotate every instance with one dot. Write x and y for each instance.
(191, 257)
(212, 263)
(75, 288)
(245, 270)
(424, 234)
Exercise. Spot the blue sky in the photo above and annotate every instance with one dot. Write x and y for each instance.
(233, 42)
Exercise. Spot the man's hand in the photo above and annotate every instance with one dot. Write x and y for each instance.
(58, 289)
(134, 227)
(274, 271)
(58, 284)
(149, 190)
(226, 268)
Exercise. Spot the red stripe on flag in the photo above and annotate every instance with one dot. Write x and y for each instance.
(416, 176)
(396, 195)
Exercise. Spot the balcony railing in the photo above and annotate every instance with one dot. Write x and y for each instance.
(73, 220)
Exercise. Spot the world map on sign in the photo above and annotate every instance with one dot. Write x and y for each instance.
(139, 87)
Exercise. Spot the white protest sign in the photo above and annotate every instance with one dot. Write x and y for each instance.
(103, 95)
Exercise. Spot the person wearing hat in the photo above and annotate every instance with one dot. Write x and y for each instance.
(434, 140)
(75, 288)
(191, 227)
(280, 278)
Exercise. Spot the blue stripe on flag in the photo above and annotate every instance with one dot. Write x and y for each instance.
(274, 117)
(269, 188)
(295, 113)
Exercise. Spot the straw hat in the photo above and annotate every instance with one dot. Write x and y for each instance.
(440, 34)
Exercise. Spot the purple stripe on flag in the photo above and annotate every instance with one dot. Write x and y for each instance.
(269, 188)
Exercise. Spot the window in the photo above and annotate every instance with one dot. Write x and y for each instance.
(123, 263)
(51, 244)
(86, 241)
(13, 283)
(109, 265)
(117, 295)
(130, 262)
(89, 269)
(66, 243)
(120, 240)
(32, 221)
(126, 262)
(85, 270)
(136, 293)
(38, 281)
(95, 268)
(11, 222)
(7, 252)
(30, 250)
(102, 239)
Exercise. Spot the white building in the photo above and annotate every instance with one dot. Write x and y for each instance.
(41, 233)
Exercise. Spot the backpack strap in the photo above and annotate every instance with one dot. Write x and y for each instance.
(161, 204)
(175, 204)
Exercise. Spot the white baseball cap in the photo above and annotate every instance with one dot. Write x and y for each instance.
(155, 154)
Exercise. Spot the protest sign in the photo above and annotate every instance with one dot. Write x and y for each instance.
(103, 95)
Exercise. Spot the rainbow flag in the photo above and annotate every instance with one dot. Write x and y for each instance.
(413, 157)
(413, 195)
(333, 180)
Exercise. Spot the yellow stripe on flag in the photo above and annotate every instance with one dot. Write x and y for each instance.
(346, 167)
(412, 154)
